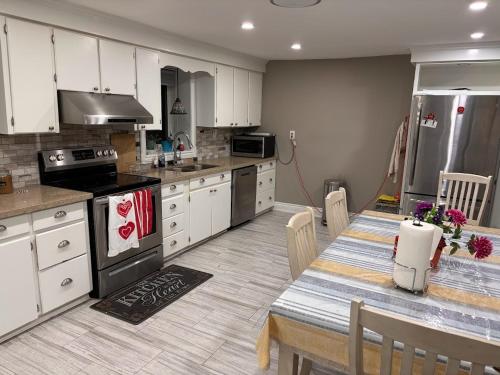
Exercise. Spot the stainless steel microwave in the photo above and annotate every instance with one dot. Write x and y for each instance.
(254, 145)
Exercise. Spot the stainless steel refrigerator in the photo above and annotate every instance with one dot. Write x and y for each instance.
(451, 133)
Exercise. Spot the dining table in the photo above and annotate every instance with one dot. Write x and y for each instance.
(311, 317)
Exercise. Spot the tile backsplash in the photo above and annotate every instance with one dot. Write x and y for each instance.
(18, 153)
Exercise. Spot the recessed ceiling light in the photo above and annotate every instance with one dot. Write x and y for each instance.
(247, 25)
(295, 3)
(477, 35)
(478, 5)
(296, 46)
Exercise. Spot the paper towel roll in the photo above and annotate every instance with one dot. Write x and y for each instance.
(414, 251)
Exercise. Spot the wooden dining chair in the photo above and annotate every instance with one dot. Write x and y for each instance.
(301, 241)
(337, 218)
(462, 193)
(453, 345)
(302, 250)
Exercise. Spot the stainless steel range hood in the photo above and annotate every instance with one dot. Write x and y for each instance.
(84, 108)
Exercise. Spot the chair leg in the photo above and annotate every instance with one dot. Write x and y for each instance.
(288, 361)
(306, 366)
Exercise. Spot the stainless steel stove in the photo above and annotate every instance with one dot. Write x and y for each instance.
(93, 170)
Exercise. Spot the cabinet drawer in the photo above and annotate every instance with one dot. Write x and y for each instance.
(266, 180)
(267, 165)
(14, 226)
(173, 206)
(197, 183)
(173, 225)
(168, 190)
(265, 200)
(174, 243)
(58, 245)
(64, 283)
(58, 215)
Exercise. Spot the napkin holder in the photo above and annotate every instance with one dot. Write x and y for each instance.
(416, 244)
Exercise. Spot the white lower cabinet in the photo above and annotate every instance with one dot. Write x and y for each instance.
(200, 214)
(17, 285)
(266, 183)
(210, 208)
(51, 247)
(65, 282)
(175, 217)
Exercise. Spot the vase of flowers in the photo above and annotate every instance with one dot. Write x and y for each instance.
(452, 222)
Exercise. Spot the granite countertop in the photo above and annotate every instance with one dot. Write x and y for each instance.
(36, 198)
(223, 164)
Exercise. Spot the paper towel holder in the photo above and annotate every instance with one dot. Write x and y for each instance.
(414, 270)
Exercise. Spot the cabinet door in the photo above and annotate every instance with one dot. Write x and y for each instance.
(149, 85)
(221, 207)
(17, 285)
(31, 66)
(224, 95)
(117, 67)
(200, 214)
(240, 97)
(255, 99)
(77, 61)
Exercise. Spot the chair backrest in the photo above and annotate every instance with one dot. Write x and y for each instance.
(301, 241)
(412, 334)
(462, 193)
(337, 217)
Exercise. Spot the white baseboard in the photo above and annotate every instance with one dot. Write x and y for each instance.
(295, 208)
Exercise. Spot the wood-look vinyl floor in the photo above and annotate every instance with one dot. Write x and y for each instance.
(211, 330)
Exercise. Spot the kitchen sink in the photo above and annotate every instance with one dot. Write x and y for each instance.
(190, 167)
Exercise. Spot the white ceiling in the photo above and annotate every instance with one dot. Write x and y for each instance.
(332, 29)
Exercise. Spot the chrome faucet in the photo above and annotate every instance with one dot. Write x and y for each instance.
(177, 156)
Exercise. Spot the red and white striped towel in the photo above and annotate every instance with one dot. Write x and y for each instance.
(143, 205)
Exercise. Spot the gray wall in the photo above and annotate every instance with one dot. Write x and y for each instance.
(345, 113)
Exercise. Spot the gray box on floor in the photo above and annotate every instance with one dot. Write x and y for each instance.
(329, 186)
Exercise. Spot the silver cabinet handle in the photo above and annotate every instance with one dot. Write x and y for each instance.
(173, 224)
(271, 180)
(260, 202)
(96, 88)
(232, 124)
(66, 281)
(107, 89)
(173, 187)
(63, 243)
(260, 183)
(51, 128)
(60, 214)
(202, 180)
(3, 228)
(215, 190)
(271, 164)
(250, 123)
(172, 206)
(173, 243)
(260, 166)
(222, 175)
(270, 198)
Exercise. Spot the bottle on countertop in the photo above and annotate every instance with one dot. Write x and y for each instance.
(161, 156)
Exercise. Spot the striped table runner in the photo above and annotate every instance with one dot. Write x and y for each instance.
(312, 315)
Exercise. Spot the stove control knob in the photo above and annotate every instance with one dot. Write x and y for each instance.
(111, 152)
(105, 152)
(60, 157)
(52, 158)
(99, 153)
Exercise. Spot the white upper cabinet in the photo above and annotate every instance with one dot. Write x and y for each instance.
(30, 106)
(240, 97)
(224, 84)
(77, 61)
(117, 67)
(255, 99)
(149, 85)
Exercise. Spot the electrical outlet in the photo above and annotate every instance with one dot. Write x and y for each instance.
(292, 135)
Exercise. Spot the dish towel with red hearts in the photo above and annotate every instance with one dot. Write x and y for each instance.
(143, 204)
(122, 227)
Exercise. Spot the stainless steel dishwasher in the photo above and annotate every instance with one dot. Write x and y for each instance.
(243, 193)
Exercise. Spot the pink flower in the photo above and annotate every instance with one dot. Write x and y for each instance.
(481, 247)
(457, 217)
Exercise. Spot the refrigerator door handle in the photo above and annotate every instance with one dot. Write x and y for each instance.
(415, 148)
